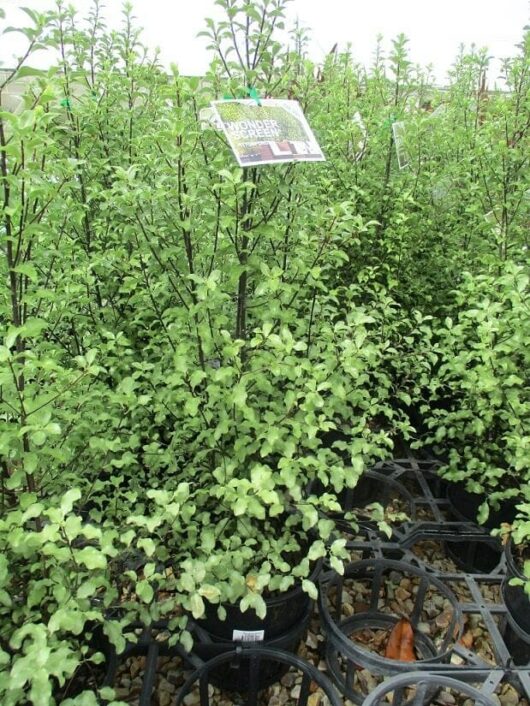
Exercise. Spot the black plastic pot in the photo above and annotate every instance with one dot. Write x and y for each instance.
(518, 644)
(236, 675)
(372, 487)
(284, 612)
(309, 676)
(479, 556)
(88, 674)
(345, 655)
(375, 487)
(516, 600)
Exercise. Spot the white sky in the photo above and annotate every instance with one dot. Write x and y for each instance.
(435, 28)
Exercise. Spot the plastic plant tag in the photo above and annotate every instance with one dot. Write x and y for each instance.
(494, 221)
(399, 139)
(208, 119)
(439, 111)
(490, 218)
(357, 144)
(11, 102)
(441, 190)
(274, 131)
(248, 635)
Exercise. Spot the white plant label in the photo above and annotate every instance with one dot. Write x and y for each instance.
(208, 119)
(269, 133)
(399, 140)
(441, 190)
(248, 635)
(358, 148)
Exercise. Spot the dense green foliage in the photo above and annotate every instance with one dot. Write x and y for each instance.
(180, 334)
(479, 404)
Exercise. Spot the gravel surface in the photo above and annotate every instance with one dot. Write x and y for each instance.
(171, 673)
(396, 597)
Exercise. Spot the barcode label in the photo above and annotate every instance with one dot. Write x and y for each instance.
(248, 635)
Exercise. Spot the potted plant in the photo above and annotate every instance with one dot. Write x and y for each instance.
(481, 411)
(516, 587)
(55, 592)
(254, 352)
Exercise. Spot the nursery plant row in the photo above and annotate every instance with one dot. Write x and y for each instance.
(403, 624)
(204, 366)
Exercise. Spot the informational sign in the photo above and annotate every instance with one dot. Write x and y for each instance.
(270, 132)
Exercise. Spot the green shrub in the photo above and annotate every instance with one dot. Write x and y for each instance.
(479, 409)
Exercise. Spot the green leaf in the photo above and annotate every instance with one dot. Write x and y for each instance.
(68, 500)
(114, 632)
(310, 588)
(192, 406)
(5, 599)
(28, 269)
(90, 587)
(39, 437)
(385, 528)
(239, 395)
(187, 582)
(65, 619)
(4, 573)
(147, 545)
(144, 591)
(21, 673)
(33, 327)
(317, 550)
(240, 506)
(337, 565)
(31, 462)
(197, 606)
(127, 537)
(11, 336)
(483, 513)
(91, 557)
(30, 71)
(211, 593)
(186, 640)
(196, 378)
(254, 601)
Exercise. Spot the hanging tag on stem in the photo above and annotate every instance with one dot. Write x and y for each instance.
(253, 93)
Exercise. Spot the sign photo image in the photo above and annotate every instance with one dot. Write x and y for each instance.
(270, 132)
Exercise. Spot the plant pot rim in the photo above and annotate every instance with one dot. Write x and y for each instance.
(361, 569)
(278, 597)
(511, 561)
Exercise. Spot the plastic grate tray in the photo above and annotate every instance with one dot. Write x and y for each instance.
(430, 508)
(420, 479)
